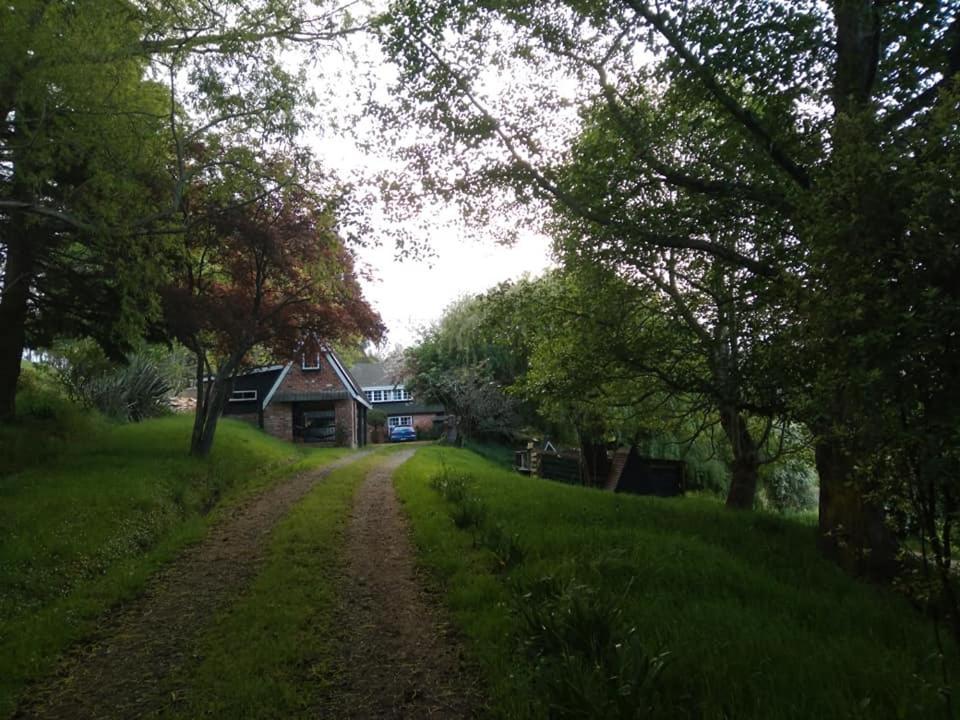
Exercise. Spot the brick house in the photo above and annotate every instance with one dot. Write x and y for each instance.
(384, 389)
(314, 400)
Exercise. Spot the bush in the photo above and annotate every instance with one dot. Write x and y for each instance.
(46, 421)
(432, 433)
(790, 485)
(377, 420)
(589, 661)
(132, 393)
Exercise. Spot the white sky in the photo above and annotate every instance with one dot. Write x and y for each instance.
(410, 294)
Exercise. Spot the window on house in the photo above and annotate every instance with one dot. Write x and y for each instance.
(243, 395)
(377, 396)
(403, 394)
(369, 395)
(310, 362)
(399, 421)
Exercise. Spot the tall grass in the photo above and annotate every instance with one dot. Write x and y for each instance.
(84, 527)
(685, 608)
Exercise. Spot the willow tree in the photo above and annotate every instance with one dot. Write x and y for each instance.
(834, 127)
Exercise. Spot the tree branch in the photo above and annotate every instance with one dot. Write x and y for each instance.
(750, 122)
(585, 212)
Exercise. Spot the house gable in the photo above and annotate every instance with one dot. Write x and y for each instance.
(330, 381)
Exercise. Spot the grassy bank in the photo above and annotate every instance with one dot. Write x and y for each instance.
(84, 527)
(268, 655)
(579, 603)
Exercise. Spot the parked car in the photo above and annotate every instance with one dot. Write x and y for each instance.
(401, 433)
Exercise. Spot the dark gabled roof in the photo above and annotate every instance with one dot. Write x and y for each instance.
(349, 382)
(407, 408)
(371, 374)
(379, 374)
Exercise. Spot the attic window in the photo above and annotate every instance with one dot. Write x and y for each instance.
(310, 363)
(243, 395)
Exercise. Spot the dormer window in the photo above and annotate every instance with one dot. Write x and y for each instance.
(310, 362)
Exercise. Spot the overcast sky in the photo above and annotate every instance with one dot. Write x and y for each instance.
(410, 294)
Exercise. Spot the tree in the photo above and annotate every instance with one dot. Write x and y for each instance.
(642, 357)
(834, 128)
(81, 158)
(261, 265)
(94, 128)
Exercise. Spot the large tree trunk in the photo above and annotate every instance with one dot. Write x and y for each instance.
(18, 276)
(852, 530)
(745, 469)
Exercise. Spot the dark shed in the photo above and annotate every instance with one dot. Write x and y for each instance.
(633, 473)
(249, 391)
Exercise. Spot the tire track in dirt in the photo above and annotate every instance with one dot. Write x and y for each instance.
(396, 657)
(124, 672)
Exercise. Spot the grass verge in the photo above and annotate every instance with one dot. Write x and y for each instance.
(86, 528)
(579, 603)
(268, 655)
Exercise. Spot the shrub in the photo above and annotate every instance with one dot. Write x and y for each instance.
(589, 661)
(377, 420)
(505, 546)
(469, 513)
(790, 485)
(131, 393)
(452, 488)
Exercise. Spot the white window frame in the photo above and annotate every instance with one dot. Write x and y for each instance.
(304, 366)
(399, 421)
(378, 394)
(243, 396)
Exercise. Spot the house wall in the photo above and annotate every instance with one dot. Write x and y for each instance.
(300, 380)
(278, 420)
(346, 416)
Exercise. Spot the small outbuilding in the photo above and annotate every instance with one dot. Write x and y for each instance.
(633, 473)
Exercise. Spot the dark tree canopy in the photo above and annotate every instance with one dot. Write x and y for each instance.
(808, 148)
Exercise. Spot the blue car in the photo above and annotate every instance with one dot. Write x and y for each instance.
(402, 432)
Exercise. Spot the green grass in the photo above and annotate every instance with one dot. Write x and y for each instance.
(83, 528)
(268, 656)
(497, 453)
(746, 619)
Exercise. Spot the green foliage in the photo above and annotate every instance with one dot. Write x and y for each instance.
(783, 172)
(790, 485)
(48, 422)
(130, 392)
(589, 660)
(743, 604)
(133, 392)
(85, 529)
